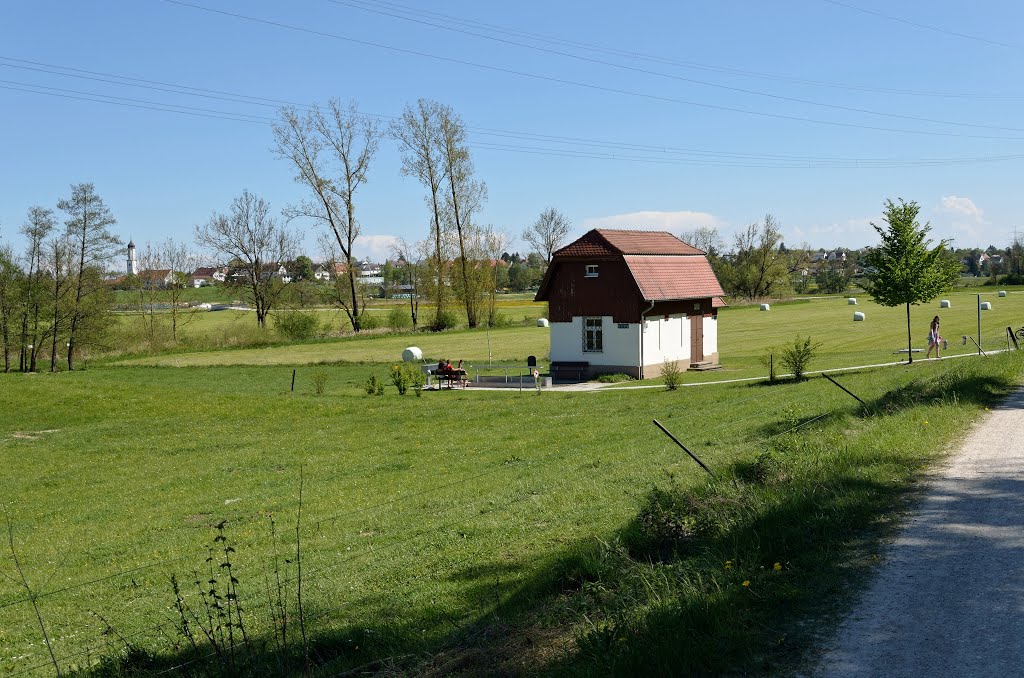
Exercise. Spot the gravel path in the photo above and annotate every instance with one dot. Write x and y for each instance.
(949, 598)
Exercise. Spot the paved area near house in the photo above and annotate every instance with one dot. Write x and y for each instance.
(948, 599)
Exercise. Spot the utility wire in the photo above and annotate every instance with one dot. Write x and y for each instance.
(714, 68)
(659, 74)
(926, 27)
(583, 85)
(662, 151)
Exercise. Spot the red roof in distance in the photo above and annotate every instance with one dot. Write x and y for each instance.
(610, 242)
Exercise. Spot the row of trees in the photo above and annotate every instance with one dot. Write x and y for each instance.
(54, 297)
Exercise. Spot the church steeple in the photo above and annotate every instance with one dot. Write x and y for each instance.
(132, 264)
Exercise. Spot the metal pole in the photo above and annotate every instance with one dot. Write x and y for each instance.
(692, 455)
(979, 324)
(293, 381)
(844, 388)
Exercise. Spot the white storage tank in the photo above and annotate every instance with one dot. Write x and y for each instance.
(858, 316)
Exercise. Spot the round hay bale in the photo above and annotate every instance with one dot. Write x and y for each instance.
(944, 303)
(858, 316)
(542, 322)
(1002, 293)
(766, 307)
(986, 306)
(412, 354)
(852, 301)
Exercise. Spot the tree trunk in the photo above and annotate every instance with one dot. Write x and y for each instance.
(910, 345)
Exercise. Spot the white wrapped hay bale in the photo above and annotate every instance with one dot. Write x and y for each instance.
(766, 307)
(542, 322)
(852, 301)
(858, 316)
(944, 303)
(412, 354)
(986, 306)
(1002, 293)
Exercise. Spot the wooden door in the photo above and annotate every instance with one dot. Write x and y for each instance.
(696, 337)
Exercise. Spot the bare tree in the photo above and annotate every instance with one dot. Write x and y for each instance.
(181, 261)
(10, 276)
(255, 242)
(331, 153)
(418, 134)
(494, 242)
(88, 221)
(60, 255)
(758, 268)
(40, 223)
(465, 196)
(548, 233)
(413, 255)
(705, 238)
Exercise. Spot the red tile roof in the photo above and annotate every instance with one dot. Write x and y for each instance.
(662, 278)
(610, 242)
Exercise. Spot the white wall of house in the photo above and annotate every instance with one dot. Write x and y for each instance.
(666, 339)
(621, 346)
(710, 334)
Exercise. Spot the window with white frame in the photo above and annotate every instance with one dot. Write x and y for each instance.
(593, 335)
(591, 271)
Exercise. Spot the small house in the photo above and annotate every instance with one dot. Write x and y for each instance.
(628, 301)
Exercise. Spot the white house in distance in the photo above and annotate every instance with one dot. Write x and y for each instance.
(627, 301)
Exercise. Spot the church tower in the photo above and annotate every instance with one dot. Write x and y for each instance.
(133, 264)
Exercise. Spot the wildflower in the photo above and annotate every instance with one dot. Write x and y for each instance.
(777, 567)
(728, 564)
(926, 423)
(746, 582)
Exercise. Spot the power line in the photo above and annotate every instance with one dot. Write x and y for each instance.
(584, 85)
(714, 68)
(926, 27)
(660, 151)
(634, 69)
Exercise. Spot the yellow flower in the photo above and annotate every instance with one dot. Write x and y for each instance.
(746, 582)
(926, 423)
(777, 566)
(728, 564)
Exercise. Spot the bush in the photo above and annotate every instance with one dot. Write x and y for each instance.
(417, 379)
(499, 320)
(319, 382)
(296, 325)
(613, 378)
(676, 518)
(445, 320)
(374, 386)
(797, 357)
(400, 378)
(369, 321)
(399, 319)
(672, 375)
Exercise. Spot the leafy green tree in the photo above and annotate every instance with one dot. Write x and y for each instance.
(757, 268)
(88, 223)
(10, 278)
(906, 269)
(302, 269)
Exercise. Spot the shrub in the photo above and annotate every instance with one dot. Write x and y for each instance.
(445, 320)
(369, 321)
(296, 325)
(319, 382)
(399, 319)
(374, 386)
(766, 469)
(797, 357)
(676, 518)
(400, 378)
(613, 378)
(672, 375)
(417, 379)
(499, 320)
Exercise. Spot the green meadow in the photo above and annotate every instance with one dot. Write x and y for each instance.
(470, 531)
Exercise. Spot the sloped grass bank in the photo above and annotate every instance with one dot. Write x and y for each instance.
(741, 574)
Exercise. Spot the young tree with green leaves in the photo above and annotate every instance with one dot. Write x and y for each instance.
(88, 222)
(905, 269)
(10, 280)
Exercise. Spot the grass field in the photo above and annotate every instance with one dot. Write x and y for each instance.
(504, 522)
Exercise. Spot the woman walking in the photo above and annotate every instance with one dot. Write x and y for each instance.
(934, 339)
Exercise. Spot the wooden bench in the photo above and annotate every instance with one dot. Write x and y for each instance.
(564, 368)
(453, 377)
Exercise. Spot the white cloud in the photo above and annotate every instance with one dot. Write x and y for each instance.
(961, 207)
(682, 220)
(374, 247)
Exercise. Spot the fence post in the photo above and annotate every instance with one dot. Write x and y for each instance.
(293, 381)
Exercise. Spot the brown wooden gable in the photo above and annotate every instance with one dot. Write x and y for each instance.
(635, 268)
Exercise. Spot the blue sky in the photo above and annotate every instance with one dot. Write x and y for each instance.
(648, 115)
